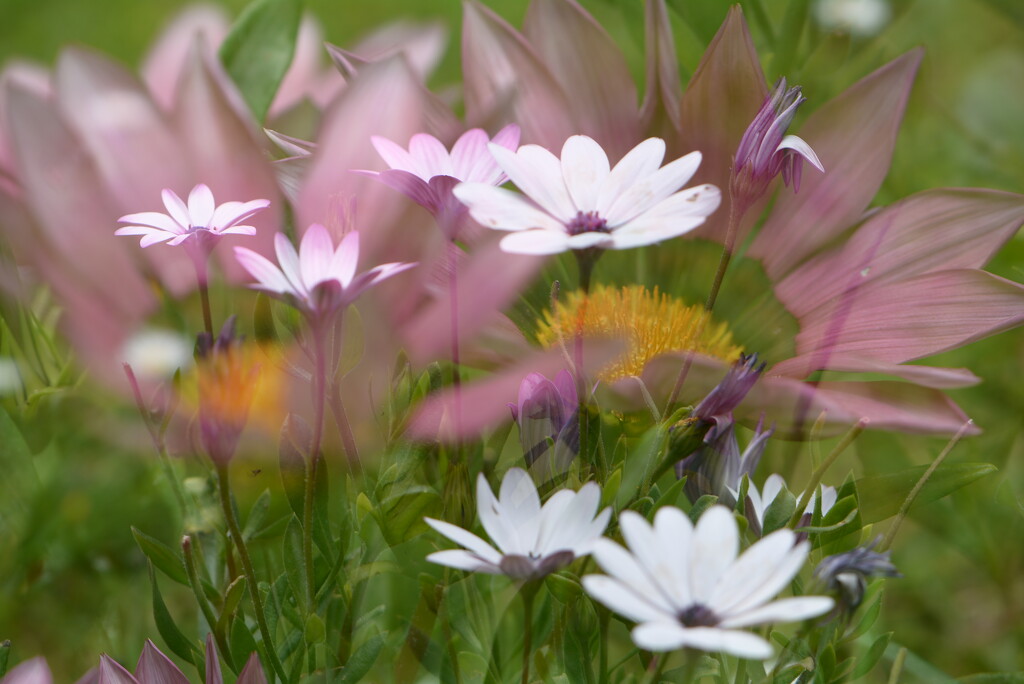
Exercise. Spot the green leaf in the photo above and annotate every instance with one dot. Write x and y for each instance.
(315, 631)
(257, 514)
(361, 661)
(263, 325)
(639, 465)
(779, 511)
(293, 562)
(703, 503)
(259, 49)
(232, 597)
(5, 654)
(162, 556)
(994, 678)
(242, 642)
(874, 653)
(882, 495)
(673, 496)
(165, 625)
(870, 614)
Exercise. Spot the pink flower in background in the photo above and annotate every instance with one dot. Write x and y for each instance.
(200, 219)
(427, 171)
(580, 201)
(318, 279)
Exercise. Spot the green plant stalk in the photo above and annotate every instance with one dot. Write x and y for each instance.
(528, 592)
(604, 616)
(204, 604)
(897, 666)
(820, 471)
(909, 501)
(247, 568)
(312, 462)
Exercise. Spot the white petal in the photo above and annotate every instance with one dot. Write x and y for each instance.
(783, 610)
(748, 573)
(733, 642)
(649, 191)
(772, 579)
(624, 239)
(622, 600)
(503, 209)
(154, 219)
(660, 636)
(535, 242)
(519, 500)
(538, 173)
(800, 146)
(698, 202)
(345, 259)
(584, 168)
(230, 213)
(496, 521)
(265, 272)
(470, 159)
(713, 548)
(288, 259)
(315, 254)
(237, 230)
(625, 568)
(588, 240)
(158, 236)
(639, 162)
(572, 529)
(674, 532)
(553, 519)
(467, 539)
(176, 208)
(463, 560)
(201, 206)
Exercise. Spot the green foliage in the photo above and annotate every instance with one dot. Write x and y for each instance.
(882, 495)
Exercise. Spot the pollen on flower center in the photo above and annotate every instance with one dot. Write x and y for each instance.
(652, 322)
(587, 222)
(698, 615)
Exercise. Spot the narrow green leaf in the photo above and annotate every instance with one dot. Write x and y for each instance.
(259, 49)
(293, 562)
(162, 557)
(639, 465)
(5, 654)
(994, 678)
(242, 642)
(869, 616)
(165, 625)
(703, 503)
(881, 495)
(232, 597)
(779, 511)
(361, 661)
(874, 653)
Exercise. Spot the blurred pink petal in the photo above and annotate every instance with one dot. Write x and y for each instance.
(854, 135)
(897, 406)
(34, 671)
(213, 675)
(423, 45)
(586, 63)
(917, 317)
(505, 80)
(926, 376)
(252, 673)
(661, 111)
(111, 672)
(720, 101)
(932, 230)
(28, 76)
(163, 64)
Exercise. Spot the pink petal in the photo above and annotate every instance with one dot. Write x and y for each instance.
(111, 672)
(928, 376)
(916, 317)
(470, 159)
(896, 406)
(854, 135)
(422, 44)
(660, 112)
(156, 237)
(932, 230)
(162, 66)
(34, 671)
(266, 273)
(252, 673)
(230, 213)
(683, 211)
(410, 185)
(315, 255)
(224, 147)
(430, 155)
(213, 675)
(152, 219)
(590, 68)
(725, 93)
(154, 666)
(288, 260)
(201, 206)
(396, 156)
(505, 79)
(176, 208)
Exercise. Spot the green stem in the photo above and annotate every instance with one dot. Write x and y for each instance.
(250, 573)
(604, 616)
(660, 660)
(204, 604)
(909, 501)
(528, 592)
(319, 331)
(897, 666)
(820, 471)
(204, 298)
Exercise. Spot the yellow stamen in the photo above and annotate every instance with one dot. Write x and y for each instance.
(650, 321)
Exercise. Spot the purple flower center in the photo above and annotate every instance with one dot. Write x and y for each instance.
(698, 615)
(589, 222)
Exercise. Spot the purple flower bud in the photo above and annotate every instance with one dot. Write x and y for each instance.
(847, 573)
(765, 150)
(227, 383)
(547, 414)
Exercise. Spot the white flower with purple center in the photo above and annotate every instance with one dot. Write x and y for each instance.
(318, 279)
(532, 540)
(200, 218)
(580, 202)
(689, 587)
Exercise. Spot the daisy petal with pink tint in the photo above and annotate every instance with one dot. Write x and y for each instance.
(200, 216)
(581, 202)
(318, 279)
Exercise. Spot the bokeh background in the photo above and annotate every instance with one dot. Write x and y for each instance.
(73, 584)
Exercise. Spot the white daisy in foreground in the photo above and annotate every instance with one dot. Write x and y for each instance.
(580, 202)
(532, 541)
(686, 586)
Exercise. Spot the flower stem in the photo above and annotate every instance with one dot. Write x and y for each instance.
(453, 294)
(250, 573)
(312, 462)
(604, 616)
(528, 592)
(820, 471)
(909, 501)
(736, 211)
(204, 298)
(204, 604)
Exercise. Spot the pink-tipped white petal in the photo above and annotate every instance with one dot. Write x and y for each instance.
(288, 259)
(346, 258)
(395, 156)
(176, 208)
(430, 154)
(800, 146)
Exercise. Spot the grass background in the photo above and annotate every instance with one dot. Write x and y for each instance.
(73, 584)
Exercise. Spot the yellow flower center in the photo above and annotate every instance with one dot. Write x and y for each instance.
(651, 322)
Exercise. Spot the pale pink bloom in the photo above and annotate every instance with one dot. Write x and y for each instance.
(688, 586)
(34, 671)
(156, 668)
(427, 172)
(532, 540)
(201, 219)
(581, 202)
(318, 279)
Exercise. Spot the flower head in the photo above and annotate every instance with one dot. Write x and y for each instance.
(532, 540)
(765, 150)
(546, 413)
(687, 586)
(847, 573)
(718, 467)
(318, 279)
(200, 219)
(580, 202)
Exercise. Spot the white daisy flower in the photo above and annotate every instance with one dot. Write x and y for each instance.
(580, 202)
(532, 540)
(687, 586)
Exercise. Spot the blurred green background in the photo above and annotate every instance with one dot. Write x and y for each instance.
(72, 583)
